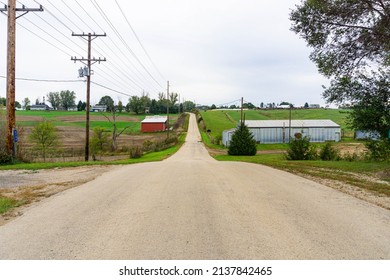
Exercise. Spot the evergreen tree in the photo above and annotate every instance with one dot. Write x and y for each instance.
(242, 143)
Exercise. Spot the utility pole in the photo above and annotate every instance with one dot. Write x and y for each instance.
(168, 110)
(242, 109)
(88, 62)
(11, 120)
(289, 125)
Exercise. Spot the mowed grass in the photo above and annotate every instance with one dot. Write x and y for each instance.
(219, 120)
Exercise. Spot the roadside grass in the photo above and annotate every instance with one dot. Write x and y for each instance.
(7, 203)
(362, 174)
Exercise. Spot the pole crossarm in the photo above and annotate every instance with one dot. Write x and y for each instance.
(23, 9)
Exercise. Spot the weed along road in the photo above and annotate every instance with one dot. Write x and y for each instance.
(193, 207)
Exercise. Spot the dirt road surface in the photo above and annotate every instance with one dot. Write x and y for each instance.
(193, 207)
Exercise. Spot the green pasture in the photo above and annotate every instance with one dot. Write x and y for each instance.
(55, 118)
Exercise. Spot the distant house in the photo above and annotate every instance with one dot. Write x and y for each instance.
(40, 107)
(314, 106)
(154, 124)
(278, 131)
(98, 108)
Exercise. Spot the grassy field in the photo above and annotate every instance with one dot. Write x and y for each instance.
(219, 120)
(77, 119)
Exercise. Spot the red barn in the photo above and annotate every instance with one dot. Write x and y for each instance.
(154, 123)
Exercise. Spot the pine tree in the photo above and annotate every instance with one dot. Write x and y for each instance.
(242, 143)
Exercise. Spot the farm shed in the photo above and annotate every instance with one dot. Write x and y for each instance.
(277, 131)
(154, 123)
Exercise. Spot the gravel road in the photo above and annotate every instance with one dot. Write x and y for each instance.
(193, 207)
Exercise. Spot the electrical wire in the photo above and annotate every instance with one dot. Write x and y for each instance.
(103, 14)
(139, 41)
(110, 89)
(45, 80)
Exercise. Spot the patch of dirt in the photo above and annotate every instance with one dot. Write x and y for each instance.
(32, 186)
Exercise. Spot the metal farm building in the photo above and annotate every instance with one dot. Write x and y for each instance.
(278, 131)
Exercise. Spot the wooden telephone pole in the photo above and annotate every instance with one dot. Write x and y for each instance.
(88, 62)
(11, 120)
(168, 110)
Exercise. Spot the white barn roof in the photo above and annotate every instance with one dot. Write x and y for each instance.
(294, 123)
(155, 119)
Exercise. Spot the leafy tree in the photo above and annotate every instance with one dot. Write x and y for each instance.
(136, 104)
(108, 101)
(248, 105)
(188, 106)
(18, 105)
(213, 107)
(233, 107)
(346, 35)
(242, 143)
(351, 46)
(45, 137)
(262, 105)
(68, 99)
(54, 99)
(26, 103)
(120, 107)
(3, 101)
(306, 106)
(370, 95)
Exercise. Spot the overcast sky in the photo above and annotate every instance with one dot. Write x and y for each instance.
(213, 51)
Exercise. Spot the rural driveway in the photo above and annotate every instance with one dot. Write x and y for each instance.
(193, 207)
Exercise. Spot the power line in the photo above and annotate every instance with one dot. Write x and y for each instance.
(139, 41)
(50, 35)
(110, 89)
(100, 10)
(45, 80)
(40, 37)
(120, 60)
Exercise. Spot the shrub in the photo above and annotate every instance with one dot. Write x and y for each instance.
(45, 138)
(136, 152)
(328, 152)
(378, 150)
(100, 140)
(217, 139)
(242, 143)
(300, 148)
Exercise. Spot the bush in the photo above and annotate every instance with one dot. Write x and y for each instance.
(45, 138)
(136, 152)
(100, 140)
(378, 150)
(301, 149)
(217, 139)
(242, 143)
(328, 152)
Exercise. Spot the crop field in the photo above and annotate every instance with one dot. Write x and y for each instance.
(71, 128)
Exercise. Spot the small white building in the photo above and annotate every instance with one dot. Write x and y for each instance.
(278, 131)
(98, 108)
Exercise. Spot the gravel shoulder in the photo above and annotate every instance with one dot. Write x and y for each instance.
(36, 185)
